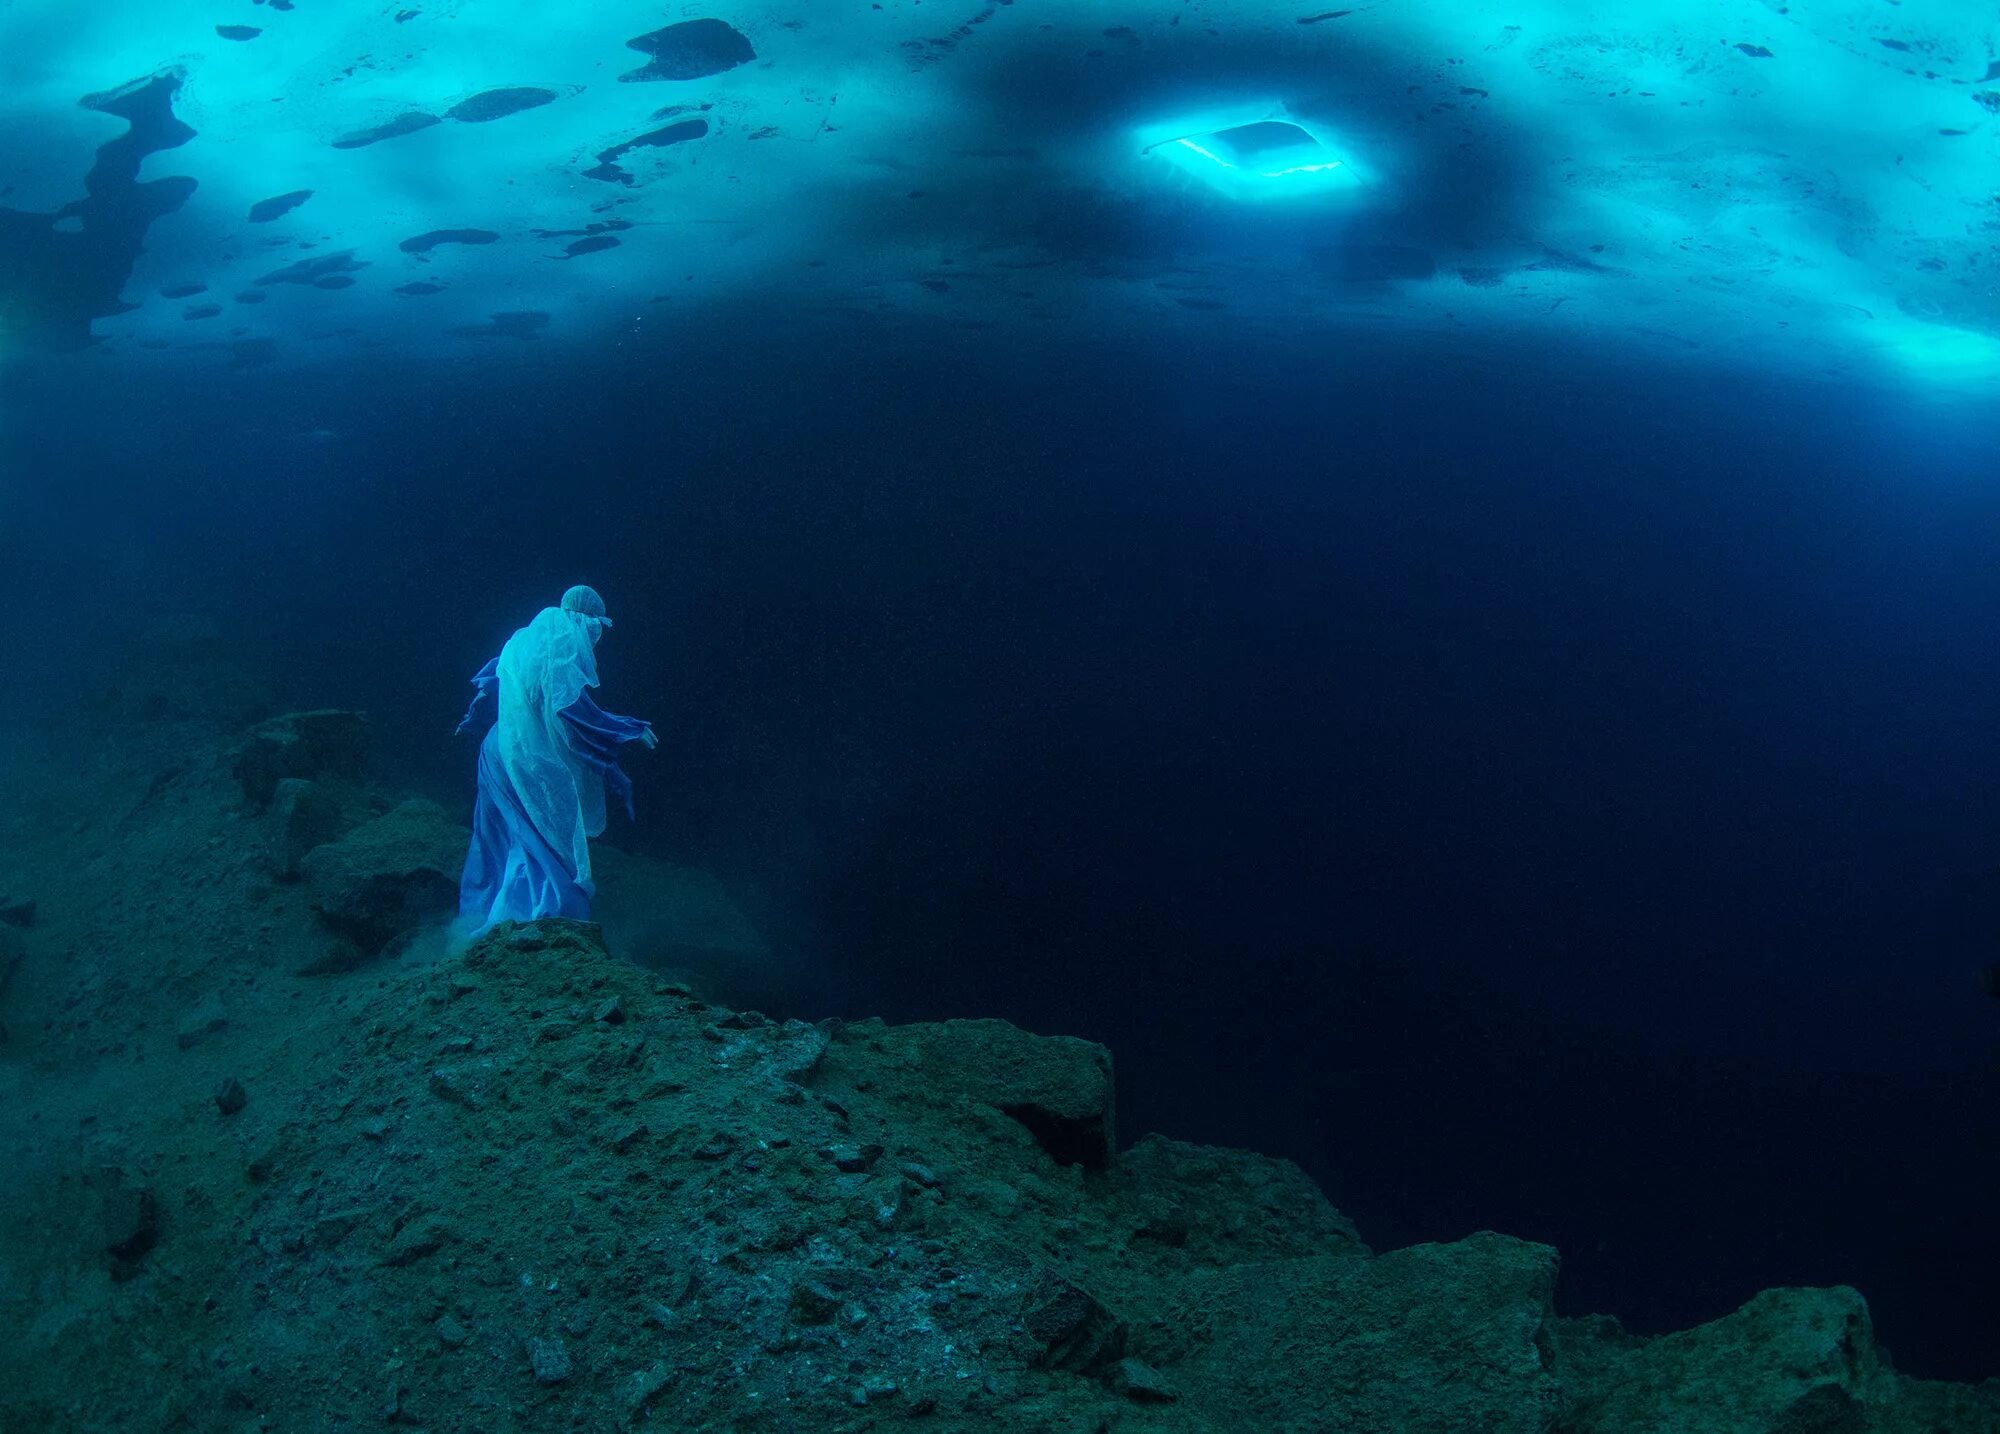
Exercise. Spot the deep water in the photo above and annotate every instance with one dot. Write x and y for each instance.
(1528, 791)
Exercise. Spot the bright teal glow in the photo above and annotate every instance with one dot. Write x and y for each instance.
(1251, 155)
(1210, 154)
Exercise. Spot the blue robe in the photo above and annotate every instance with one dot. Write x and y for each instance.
(516, 870)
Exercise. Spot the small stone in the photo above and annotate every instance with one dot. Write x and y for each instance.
(463, 986)
(451, 1334)
(416, 1241)
(814, 1303)
(922, 1174)
(374, 1129)
(878, 1387)
(447, 1084)
(885, 1203)
(719, 1145)
(230, 1096)
(853, 1159)
(550, 1360)
(206, 1020)
(630, 1136)
(611, 1013)
(1140, 1382)
(392, 1403)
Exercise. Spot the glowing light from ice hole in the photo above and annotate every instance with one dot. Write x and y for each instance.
(1264, 158)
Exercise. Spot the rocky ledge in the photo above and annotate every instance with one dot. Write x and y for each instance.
(539, 1187)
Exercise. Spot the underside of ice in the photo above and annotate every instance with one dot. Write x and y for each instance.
(1810, 190)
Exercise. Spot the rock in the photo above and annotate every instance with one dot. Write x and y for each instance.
(390, 875)
(300, 744)
(1059, 1087)
(128, 1218)
(1075, 1331)
(550, 1360)
(13, 951)
(417, 1240)
(230, 1096)
(303, 816)
(17, 911)
(1791, 1361)
(853, 1159)
(1433, 1339)
(204, 1021)
(813, 1303)
(451, 1334)
(1139, 1382)
(611, 1012)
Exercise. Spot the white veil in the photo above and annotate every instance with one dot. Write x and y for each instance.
(543, 669)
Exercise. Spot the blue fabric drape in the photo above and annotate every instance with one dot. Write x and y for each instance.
(515, 870)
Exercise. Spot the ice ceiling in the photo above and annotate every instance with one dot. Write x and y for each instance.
(1813, 188)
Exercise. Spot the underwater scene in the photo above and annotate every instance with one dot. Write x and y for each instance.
(1065, 716)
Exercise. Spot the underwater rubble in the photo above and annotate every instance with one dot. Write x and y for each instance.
(278, 1164)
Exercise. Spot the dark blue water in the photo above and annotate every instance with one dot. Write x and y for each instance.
(1540, 794)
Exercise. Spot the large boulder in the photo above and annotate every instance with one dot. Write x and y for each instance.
(304, 816)
(1434, 1339)
(391, 875)
(1791, 1361)
(300, 744)
(1058, 1087)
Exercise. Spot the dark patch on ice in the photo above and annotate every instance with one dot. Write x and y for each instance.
(1560, 262)
(418, 287)
(592, 245)
(252, 296)
(1894, 45)
(403, 17)
(602, 226)
(201, 311)
(182, 291)
(527, 325)
(238, 32)
(607, 167)
(1481, 278)
(60, 271)
(265, 210)
(919, 53)
(1323, 15)
(498, 104)
(1755, 52)
(424, 243)
(691, 50)
(334, 281)
(1992, 71)
(311, 271)
(395, 129)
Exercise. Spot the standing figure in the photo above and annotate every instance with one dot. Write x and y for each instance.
(543, 769)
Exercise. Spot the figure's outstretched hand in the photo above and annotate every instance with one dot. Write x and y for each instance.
(650, 738)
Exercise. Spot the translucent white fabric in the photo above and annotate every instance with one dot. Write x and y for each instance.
(544, 668)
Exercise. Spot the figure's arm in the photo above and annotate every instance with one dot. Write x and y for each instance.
(483, 684)
(604, 728)
(596, 736)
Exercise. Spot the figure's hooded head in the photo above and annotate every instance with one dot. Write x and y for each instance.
(585, 603)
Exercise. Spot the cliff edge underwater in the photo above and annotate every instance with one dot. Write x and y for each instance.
(279, 1160)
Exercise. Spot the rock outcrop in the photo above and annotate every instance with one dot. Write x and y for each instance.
(539, 1187)
(300, 744)
(389, 876)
